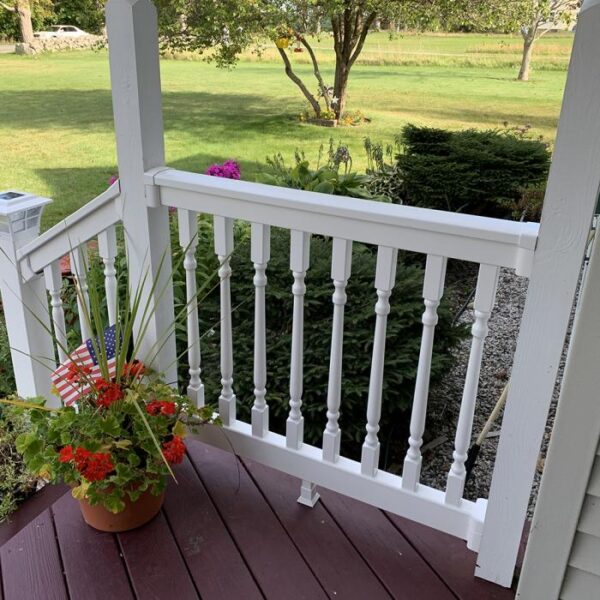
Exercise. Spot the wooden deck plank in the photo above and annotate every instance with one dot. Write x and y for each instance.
(213, 560)
(338, 566)
(451, 560)
(156, 569)
(91, 559)
(403, 571)
(30, 509)
(31, 564)
(277, 565)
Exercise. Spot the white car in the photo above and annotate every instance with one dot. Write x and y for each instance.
(60, 31)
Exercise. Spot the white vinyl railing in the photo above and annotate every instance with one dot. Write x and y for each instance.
(391, 228)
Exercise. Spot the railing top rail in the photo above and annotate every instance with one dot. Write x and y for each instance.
(467, 237)
(79, 227)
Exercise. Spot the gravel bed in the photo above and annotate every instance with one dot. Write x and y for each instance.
(495, 371)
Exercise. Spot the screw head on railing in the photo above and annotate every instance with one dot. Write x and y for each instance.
(20, 215)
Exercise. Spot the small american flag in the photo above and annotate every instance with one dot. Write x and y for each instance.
(83, 361)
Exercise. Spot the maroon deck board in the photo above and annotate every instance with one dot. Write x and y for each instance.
(154, 564)
(403, 571)
(91, 559)
(338, 566)
(212, 558)
(278, 567)
(30, 509)
(31, 565)
(451, 559)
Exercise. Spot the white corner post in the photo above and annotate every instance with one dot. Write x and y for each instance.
(25, 303)
(571, 197)
(136, 94)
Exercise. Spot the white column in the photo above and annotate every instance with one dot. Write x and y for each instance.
(53, 279)
(385, 278)
(223, 230)
(188, 240)
(485, 295)
(341, 261)
(260, 254)
(135, 78)
(571, 197)
(433, 288)
(107, 248)
(299, 262)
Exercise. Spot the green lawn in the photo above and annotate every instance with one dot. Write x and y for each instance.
(56, 124)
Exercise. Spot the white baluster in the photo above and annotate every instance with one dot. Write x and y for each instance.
(483, 304)
(188, 240)
(107, 248)
(79, 266)
(433, 288)
(341, 261)
(385, 278)
(299, 261)
(260, 254)
(53, 279)
(223, 231)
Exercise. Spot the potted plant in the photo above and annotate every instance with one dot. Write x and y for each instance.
(120, 426)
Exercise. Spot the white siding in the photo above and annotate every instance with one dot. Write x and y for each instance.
(582, 578)
(580, 585)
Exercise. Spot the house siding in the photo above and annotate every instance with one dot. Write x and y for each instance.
(582, 577)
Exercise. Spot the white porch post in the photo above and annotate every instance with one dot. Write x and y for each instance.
(569, 205)
(135, 77)
(26, 311)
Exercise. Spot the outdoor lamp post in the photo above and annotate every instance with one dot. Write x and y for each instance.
(20, 215)
(24, 300)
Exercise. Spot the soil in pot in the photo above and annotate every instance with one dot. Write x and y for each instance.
(135, 514)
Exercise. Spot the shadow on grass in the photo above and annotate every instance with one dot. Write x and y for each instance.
(244, 115)
(65, 184)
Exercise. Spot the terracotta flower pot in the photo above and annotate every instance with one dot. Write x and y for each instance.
(135, 514)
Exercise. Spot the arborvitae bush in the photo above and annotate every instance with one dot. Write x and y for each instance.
(403, 338)
(475, 172)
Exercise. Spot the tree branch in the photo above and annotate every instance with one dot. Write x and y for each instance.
(8, 8)
(290, 73)
(316, 69)
(363, 36)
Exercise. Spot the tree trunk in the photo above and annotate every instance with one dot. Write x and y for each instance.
(526, 60)
(342, 72)
(23, 9)
(290, 73)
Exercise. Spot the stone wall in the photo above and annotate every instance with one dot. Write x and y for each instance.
(39, 45)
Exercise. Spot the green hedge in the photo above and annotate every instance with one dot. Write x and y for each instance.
(477, 172)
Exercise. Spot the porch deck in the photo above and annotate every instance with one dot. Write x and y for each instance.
(233, 530)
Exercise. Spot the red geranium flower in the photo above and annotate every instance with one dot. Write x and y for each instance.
(66, 454)
(94, 466)
(133, 369)
(174, 450)
(97, 466)
(76, 371)
(108, 393)
(158, 407)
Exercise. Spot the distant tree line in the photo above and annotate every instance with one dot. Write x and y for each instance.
(225, 28)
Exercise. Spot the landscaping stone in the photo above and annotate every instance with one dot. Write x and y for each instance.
(38, 46)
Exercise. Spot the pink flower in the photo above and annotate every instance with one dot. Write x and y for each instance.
(112, 179)
(229, 170)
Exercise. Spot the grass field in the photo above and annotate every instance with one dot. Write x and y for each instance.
(56, 135)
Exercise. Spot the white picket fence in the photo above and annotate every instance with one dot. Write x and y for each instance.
(140, 200)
